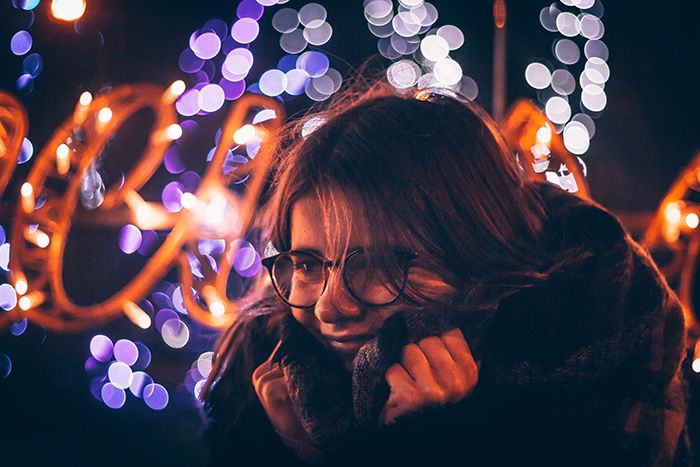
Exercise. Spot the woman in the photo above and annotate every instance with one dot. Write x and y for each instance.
(430, 305)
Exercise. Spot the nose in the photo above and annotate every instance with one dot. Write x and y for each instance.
(336, 304)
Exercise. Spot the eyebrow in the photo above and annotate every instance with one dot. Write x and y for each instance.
(318, 252)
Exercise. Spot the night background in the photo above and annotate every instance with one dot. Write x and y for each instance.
(50, 413)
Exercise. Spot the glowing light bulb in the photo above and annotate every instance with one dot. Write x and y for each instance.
(174, 131)
(178, 87)
(136, 314)
(544, 134)
(217, 308)
(696, 365)
(42, 240)
(104, 115)
(692, 220)
(62, 159)
(27, 192)
(85, 99)
(244, 134)
(672, 213)
(215, 210)
(68, 10)
(27, 189)
(188, 200)
(21, 286)
(25, 303)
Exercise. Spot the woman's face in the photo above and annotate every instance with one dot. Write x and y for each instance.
(338, 321)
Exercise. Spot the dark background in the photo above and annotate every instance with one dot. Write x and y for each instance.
(646, 135)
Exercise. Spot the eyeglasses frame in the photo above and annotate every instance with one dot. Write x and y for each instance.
(269, 262)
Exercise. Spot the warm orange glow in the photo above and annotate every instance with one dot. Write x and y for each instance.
(692, 220)
(37, 237)
(32, 300)
(27, 192)
(174, 131)
(544, 134)
(672, 213)
(104, 115)
(21, 286)
(216, 306)
(85, 98)
(136, 314)
(62, 159)
(68, 10)
(499, 13)
(188, 200)
(244, 134)
(174, 91)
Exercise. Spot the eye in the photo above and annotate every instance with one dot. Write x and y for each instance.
(306, 267)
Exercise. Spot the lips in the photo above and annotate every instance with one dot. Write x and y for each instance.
(349, 338)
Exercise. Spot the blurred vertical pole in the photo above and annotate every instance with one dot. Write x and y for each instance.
(498, 88)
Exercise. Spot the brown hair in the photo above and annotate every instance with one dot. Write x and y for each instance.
(427, 170)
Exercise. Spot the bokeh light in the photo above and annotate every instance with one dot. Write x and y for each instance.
(139, 381)
(21, 42)
(126, 351)
(175, 333)
(101, 348)
(538, 75)
(8, 296)
(273, 82)
(68, 10)
(245, 30)
(5, 365)
(120, 375)
(155, 396)
(112, 396)
(129, 239)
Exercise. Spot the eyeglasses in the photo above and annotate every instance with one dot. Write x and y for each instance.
(301, 277)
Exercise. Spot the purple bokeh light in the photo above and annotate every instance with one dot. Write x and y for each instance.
(21, 42)
(101, 348)
(162, 299)
(178, 301)
(25, 83)
(273, 82)
(112, 396)
(232, 89)
(207, 45)
(3, 236)
(171, 195)
(189, 62)
(8, 296)
(219, 26)
(120, 375)
(250, 9)
(26, 151)
(18, 328)
(314, 63)
(155, 396)
(149, 239)
(5, 256)
(188, 104)
(164, 315)
(129, 238)
(144, 358)
(296, 81)
(33, 65)
(190, 180)
(125, 351)
(211, 98)
(247, 261)
(139, 382)
(173, 160)
(5, 365)
(245, 30)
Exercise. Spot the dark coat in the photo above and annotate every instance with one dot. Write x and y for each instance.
(580, 369)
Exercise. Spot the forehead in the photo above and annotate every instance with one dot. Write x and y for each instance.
(327, 226)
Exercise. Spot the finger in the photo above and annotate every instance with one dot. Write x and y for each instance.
(415, 362)
(437, 354)
(457, 345)
(266, 366)
(398, 378)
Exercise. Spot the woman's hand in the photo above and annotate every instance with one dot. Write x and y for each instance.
(271, 388)
(437, 370)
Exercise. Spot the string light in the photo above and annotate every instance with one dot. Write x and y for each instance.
(68, 10)
(136, 314)
(62, 159)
